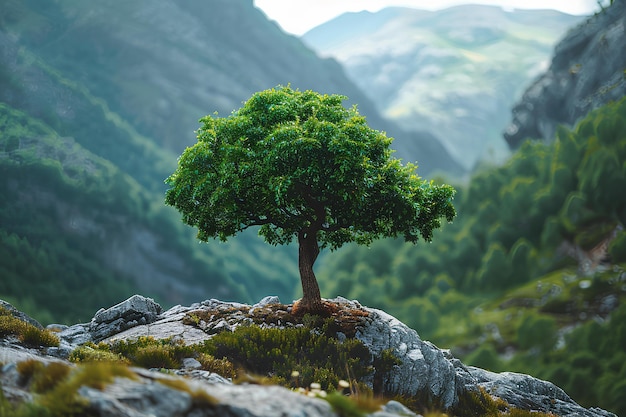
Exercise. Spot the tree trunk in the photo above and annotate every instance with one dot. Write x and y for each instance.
(307, 254)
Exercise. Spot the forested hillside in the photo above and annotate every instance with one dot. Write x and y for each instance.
(531, 276)
(97, 102)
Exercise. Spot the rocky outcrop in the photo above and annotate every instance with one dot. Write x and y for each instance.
(422, 369)
(588, 70)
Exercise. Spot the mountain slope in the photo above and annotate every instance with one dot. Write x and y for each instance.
(111, 93)
(164, 65)
(454, 72)
(588, 70)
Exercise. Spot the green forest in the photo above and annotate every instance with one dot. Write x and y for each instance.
(530, 275)
(63, 209)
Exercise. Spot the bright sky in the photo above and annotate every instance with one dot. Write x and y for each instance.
(298, 16)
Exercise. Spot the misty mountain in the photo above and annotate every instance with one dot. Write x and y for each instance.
(455, 72)
(98, 100)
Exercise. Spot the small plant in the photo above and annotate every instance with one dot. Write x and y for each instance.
(347, 406)
(277, 352)
(223, 366)
(92, 353)
(27, 333)
(148, 352)
(63, 399)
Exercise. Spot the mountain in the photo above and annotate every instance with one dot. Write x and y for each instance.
(96, 103)
(164, 65)
(588, 70)
(455, 72)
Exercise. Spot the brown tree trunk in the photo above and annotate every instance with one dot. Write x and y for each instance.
(307, 254)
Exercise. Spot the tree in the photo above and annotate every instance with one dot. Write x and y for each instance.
(301, 166)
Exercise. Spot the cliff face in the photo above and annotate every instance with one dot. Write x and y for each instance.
(588, 70)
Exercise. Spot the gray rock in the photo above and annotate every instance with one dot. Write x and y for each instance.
(587, 72)
(137, 398)
(135, 311)
(191, 363)
(265, 301)
(205, 376)
(20, 315)
(424, 368)
(394, 408)
(529, 393)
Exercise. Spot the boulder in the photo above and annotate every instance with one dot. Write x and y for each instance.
(424, 368)
(135, 311)
(528, 393)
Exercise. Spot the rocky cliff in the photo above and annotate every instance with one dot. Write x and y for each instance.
(588, 70)
(421, 374)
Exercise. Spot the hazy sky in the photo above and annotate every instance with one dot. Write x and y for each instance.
(298, 16)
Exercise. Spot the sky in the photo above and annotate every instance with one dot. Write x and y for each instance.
(298, 16)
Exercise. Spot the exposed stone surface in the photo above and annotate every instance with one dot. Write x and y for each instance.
(136, 310)
(526, 392)
(424, 369)
(587, 72)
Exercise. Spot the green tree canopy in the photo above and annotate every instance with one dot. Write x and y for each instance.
(300, 165)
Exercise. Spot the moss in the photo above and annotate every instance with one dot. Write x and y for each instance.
(92, 353)
(26, 332)
(344, 406)
(199, 397)
(57, 385)
(223, 366)
(344, 319)
(278, 352)
(148, 352)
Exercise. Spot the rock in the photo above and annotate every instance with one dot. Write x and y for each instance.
(424, 368)
(394, 408)
(137, 310)
(265, 301)
(136, 398)
(20, 315)
(587, 72)
(191, 363)
(529, 393)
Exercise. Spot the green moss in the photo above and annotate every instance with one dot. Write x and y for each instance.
(92, 353)
(223, 366)
(317, 357)
(345, 406)
(199, 397)
(148, 352)
(57, 386)
(27, 333)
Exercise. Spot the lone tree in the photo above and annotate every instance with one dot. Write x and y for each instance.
(300, 165)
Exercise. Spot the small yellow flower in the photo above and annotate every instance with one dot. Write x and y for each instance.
(295, 374)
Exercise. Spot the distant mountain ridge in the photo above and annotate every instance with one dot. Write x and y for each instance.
(454, 72)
